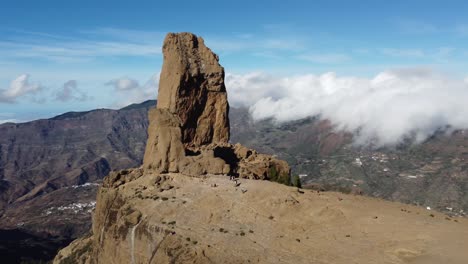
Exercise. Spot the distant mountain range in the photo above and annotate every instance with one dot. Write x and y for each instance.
(50, 169)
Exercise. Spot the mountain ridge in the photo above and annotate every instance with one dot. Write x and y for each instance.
(303, 143)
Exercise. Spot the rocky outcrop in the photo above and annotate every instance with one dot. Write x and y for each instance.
(236, 160)
(189, 129)
(188, 134)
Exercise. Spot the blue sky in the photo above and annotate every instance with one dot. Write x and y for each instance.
(58, 56)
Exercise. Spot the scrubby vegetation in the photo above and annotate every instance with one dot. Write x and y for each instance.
(283, 178)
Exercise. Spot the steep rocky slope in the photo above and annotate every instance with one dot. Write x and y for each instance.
(163, 212)
(49, 168)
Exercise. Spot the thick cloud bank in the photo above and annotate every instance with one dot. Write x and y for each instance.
(382, 110)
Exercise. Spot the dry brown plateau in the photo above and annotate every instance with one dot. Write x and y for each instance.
(185, 219)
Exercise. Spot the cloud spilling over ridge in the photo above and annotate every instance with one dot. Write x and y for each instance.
(383, 110)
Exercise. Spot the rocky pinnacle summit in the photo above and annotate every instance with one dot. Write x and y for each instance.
(189, 128)
(188, 137)
(192, 88)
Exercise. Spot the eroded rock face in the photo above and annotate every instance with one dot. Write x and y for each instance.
(236, 160)
(164, 148)
(192, 87)
(189, 129)
(192, 108)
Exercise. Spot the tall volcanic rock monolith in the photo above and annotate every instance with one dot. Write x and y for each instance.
(192, 87)
(192, 108)
(187, 137)
(189, 128)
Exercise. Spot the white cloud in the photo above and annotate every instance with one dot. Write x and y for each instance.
(382, 110)
(123, 84)
(129, 91)
(20, 87)
(246, 90)
(70, 92)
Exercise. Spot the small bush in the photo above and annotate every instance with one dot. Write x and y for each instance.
(283, 178)
(297, 181)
